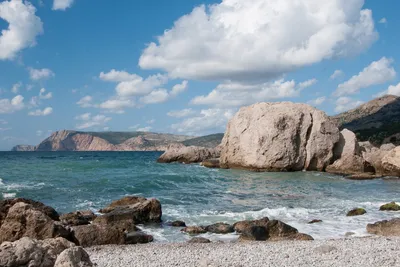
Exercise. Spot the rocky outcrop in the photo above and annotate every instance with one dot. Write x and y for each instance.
(391, 162)
(392, 206)
(194, 230)
(191, 154)
(220, 228)
(349, 157)
(77, 218)
(356, 212)
(34, 253)
(243, 226)
(24, 148)
(279, 137)
(73, 257)
(385, 228)
(24, 220)
(97, 235)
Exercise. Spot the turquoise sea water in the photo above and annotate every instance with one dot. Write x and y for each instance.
(71, 181)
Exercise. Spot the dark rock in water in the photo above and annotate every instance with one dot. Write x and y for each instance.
(139, 210)
(96, 235)
(176, 224)
(255, 233)
(73, 257)
(385, 228)
(24, 220)
(34, 253)
(138, 238)
(5, 205)
(392, 206)
(242, 226)
(356, 212)
(315, 221)
(194, 230)
(77, 218)
(220, 228)
(199, 240)
(211, 163)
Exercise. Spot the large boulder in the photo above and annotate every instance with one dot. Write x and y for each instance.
(348, 156)
(73, 257)
(220, 228)
(139, 210)
(385, 228)
(6, 204)
(96, 235)
(243, 226)
(391, 162)
(279, 137)
(392, 206)
(32, 253)
(190, 154)
(376, 156)
(24, 220)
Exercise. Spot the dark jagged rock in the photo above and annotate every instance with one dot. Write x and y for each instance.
(211, 163)
(255, 233)
(176, 224)
(220, 228)
(138, 238)
(356, 212)
(77, 218)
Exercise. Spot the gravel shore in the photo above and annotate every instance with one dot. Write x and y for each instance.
(365, 252)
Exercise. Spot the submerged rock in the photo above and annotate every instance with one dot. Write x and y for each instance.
(363, 176)
(314, 221)
(199, 240)
(211, 163)
(24, 220)
(31, 252)
(392, 206)
(220, 228)
(385, 228)
(191, 154)
(356, 212)
(73, 257)
(279, 137)
(194, 230)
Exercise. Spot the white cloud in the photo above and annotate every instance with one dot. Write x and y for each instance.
(179, 88)
(318, 101)
(337, 74)
(134, 127)
(34, 102)
(43, 95)
(118, 76)
(181, 113)
(307, 83)
(62, 4)
(85, 102)
(88, 121)
(383, 21)
(235, 94)
(392, 90)
(40, 74)
(45, 112)
(140, 86)
(346, 103)
(253, 39)
(144, 129)
(117, 105)
(15, 88)
(378, 72)
(10, 106)
(156, 96)
(39, 133)
(22, 30)
(208, 121)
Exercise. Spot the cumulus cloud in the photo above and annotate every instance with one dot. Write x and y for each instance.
(155, 97)
(179, 88)
(317, 102)
(23, 27)
(43, 95)
(15, 88)
(392, 90)
(140, 86)
(89, 121)
(378, 72)
(117, 105)
(62, 4)
(235, 94)
(253, 39)
(85, 102)
(11, 106)
(208, 121)
(337, 74)
(45, 112)
(118, 76)
(346, 103)
(181, 113)
(40, 74)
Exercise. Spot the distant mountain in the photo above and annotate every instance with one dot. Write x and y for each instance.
(210, 141)
(66, 140)
(24, 148)
(377, 121)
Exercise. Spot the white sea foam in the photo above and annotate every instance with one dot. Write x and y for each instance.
(9, 195)
(1, 182)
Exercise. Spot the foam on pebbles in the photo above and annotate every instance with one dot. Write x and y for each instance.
(365, 252)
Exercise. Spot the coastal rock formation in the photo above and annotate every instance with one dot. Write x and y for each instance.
(191, 154)
(391, 162)
(30, 252)
(194, 230)
(211, 163)
(356, 212)
(77, 218)
(220, 228)
(279, 137)
(24, 148)
(349, 157)
(24, 220)
(243, 226)
(137, 209)
(392, 206)
(385, 228)
(73, 257)
(97, 235)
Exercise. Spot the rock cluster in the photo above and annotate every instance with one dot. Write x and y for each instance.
(385, 228)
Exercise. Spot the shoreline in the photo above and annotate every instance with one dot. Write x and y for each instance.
(363, 251)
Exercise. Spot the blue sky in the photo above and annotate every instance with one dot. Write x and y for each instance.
(185, 66)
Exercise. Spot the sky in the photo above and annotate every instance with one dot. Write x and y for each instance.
(186, 66)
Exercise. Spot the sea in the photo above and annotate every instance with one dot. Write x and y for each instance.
(70, 181)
